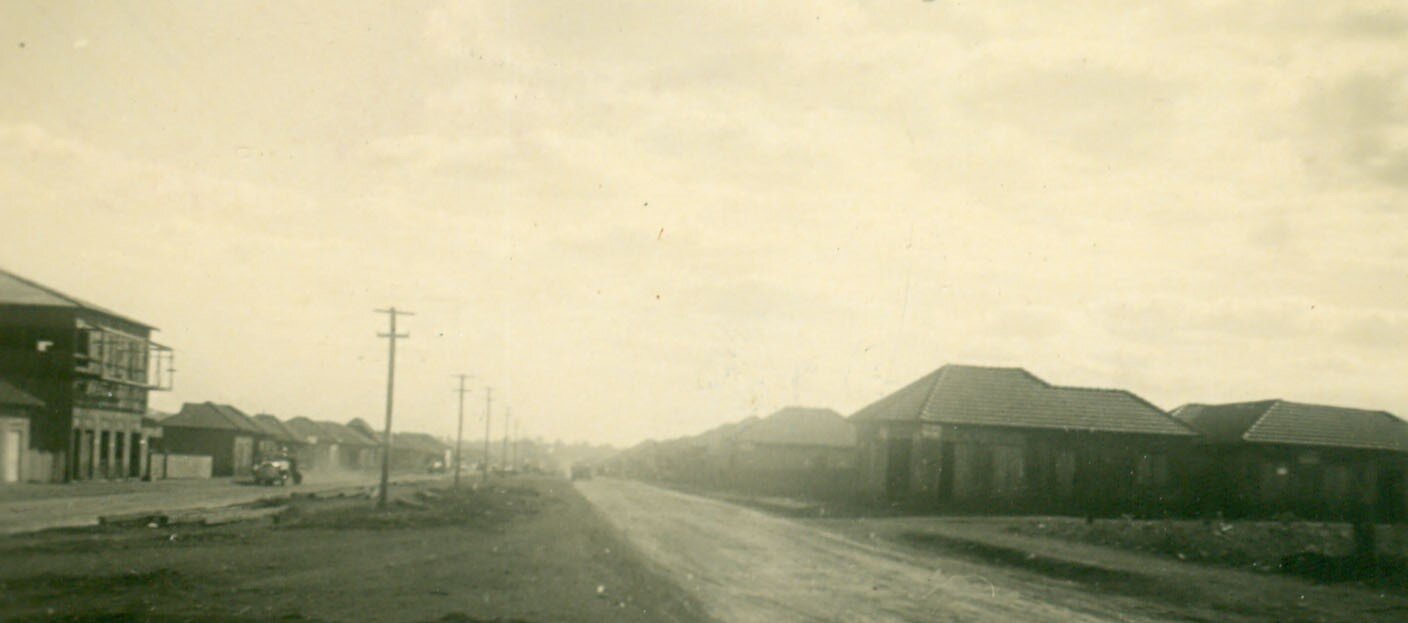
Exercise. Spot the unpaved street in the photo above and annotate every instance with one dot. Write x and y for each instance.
(746, 566)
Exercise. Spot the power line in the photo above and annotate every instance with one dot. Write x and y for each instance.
(391, 337)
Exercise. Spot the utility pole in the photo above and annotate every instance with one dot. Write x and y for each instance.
(517, 439)
(459, 428)
(508, 418)
(488, 417)
(391, 338)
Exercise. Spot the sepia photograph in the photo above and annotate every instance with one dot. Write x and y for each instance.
(703, 311)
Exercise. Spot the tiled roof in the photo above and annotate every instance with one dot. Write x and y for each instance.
(361, 426)
(344, 435)
(212, 416)
(16, 397)
(983, 396)
(16, 290)
(308, 431)
(802, 427)
(1283, 422)
(276, 429)
(716, 437)
(419, 442)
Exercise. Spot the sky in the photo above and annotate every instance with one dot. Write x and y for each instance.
(641, 219)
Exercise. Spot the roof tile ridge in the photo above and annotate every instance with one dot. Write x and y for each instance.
(1272, 404)
(933, 389)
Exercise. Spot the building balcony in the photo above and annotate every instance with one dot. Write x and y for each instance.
(115, 357)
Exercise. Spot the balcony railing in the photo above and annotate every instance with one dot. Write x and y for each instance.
(118, 357)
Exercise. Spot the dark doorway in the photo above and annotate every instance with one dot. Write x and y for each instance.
(1390, 500)
(75, 456)
(134, 461)
(897, 451)
(946, 471)
(89, 455)
(104, 454)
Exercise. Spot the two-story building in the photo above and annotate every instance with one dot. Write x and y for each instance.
(92, 368)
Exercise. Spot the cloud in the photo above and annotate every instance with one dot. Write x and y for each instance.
(1365, 116)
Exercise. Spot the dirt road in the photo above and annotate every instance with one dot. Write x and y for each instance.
(526, 550)
(62, 506)
(745, 566)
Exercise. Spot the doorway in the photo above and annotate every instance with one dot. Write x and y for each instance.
(897, 466)
(13, 443)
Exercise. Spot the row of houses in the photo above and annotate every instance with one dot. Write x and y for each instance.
(992, 439)
(794, 451)
(75, 379)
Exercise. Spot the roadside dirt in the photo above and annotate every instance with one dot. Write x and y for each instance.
(747, 565)
(527, 550)
(1142, 582)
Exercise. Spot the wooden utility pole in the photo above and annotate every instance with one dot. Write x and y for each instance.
(508, 418)
(459, 428)
(517, 439)
(391, 338)
(488, 417)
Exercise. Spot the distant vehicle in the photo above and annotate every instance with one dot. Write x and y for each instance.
(273, 471)
(581, 471)
(436, 467)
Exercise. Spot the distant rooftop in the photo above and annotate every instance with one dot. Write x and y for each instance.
(276, 429)
(210, 415)
(801, 426)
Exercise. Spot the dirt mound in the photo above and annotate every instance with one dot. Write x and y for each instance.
(481, 507)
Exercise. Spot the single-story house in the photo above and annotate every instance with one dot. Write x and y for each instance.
(701, 459)
(355, 450)
(222, 432)
(1272, 457)
(360, 425)
(317, 450)
(417, 451)
(795, 451)
(988, 439)
(409, 451)
(17, 409)
(280, 440)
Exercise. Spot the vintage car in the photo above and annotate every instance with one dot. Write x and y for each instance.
(273, 471)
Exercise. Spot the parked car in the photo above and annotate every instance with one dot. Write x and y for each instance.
(274, 471)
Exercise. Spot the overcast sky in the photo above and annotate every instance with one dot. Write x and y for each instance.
(641, 219)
